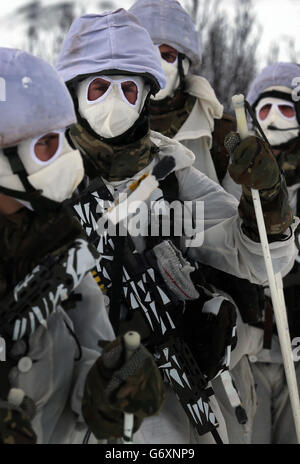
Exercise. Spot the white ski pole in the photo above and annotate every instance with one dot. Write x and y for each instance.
(275, 282)
(132, 341)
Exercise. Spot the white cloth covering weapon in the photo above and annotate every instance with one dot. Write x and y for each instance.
(132, 341)
(140, 190)
(275, 281)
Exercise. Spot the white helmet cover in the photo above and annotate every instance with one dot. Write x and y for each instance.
(110, 41)
(35, 100)
(278, 74)
(167, 22)
(36, 103)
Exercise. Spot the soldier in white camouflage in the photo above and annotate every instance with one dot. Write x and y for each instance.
(111, 86)
(274, 100)
(188, 110)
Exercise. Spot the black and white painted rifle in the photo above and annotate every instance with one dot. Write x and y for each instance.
(31, 302)
(142, 290)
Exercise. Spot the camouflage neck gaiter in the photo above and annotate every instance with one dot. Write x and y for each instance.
(169, 115)
(114, 162)
(289, 161)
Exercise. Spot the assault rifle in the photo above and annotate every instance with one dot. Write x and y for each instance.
(31, 302)
(163, 314)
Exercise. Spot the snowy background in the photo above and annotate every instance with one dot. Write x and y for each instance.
(239, 37)
(280, 20)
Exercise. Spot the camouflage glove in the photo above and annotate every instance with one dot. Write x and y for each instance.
(254, 166)
(114, 386)
(15, 427)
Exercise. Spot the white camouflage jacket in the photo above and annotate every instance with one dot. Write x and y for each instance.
(57, 367)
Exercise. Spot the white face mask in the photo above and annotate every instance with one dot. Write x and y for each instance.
(112, 114)
(57, 177)
(278, 120)
(172, 76)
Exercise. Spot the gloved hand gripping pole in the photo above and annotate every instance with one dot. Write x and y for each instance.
(132, 341)
(275, 281)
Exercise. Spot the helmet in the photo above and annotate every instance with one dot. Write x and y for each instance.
(36, 99)
(37, 107)
(110, 43)
(275, 75)
(167, 22)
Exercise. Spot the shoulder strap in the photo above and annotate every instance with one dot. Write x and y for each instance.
(218, 151)
(170, 187)
(170, 190)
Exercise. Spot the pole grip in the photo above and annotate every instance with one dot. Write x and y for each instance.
(132, 341)
(238, 102)
(275, 283)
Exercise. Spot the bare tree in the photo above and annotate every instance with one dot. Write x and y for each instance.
(286, 43)
(202, 13)
(273, 54)
(47, 25)
(293, 53)
(229, 46)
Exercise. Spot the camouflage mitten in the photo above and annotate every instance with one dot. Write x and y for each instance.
(254, 166)
(114, 386)
(15, 427)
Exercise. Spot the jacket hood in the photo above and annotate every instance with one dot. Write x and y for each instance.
(184, 157)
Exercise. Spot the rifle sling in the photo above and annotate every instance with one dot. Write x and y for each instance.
(116, 293)
(268, 325)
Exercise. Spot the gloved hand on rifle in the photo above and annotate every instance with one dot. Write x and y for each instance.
(209, 331)
(15, 426)
(114, 386)
(254, 166)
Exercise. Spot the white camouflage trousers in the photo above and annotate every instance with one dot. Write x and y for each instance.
(273, 422)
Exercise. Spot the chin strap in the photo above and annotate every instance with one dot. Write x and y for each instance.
(256, 123)
(31, 195)
(181, 57)
(18, 167)
(274, 128)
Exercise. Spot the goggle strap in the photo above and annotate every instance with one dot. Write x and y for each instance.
(256, 123)
(274, 94)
